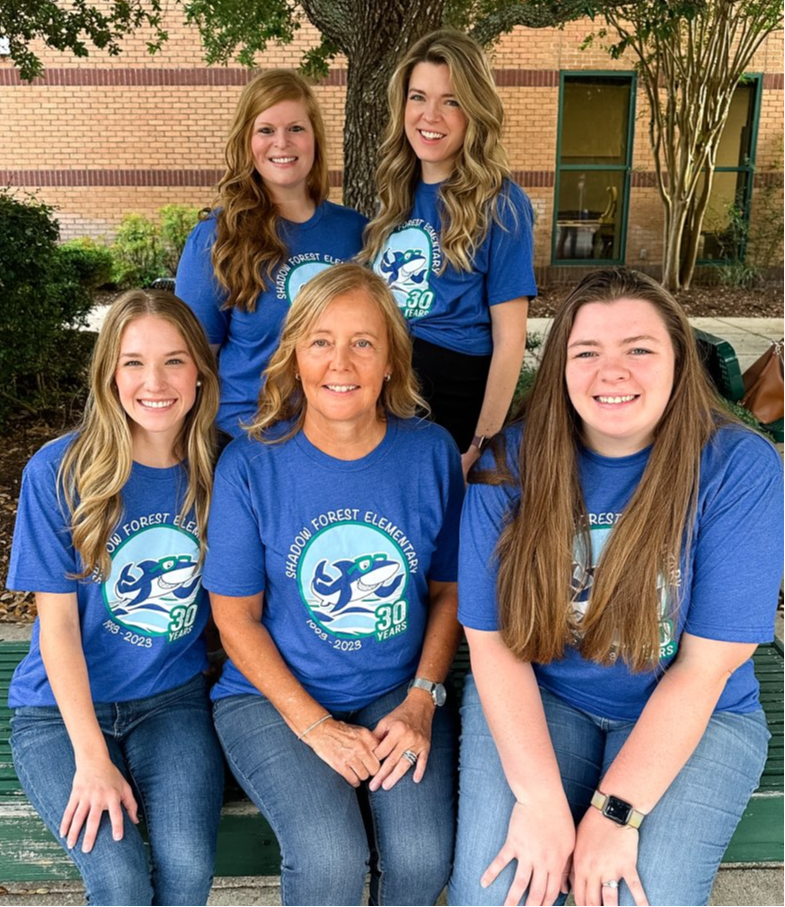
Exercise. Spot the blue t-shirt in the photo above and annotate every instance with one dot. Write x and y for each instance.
(142, 628)
(248, 339)
(452, 309)
(343, 551)
(729, 588)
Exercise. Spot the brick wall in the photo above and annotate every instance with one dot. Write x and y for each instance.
(101, 136)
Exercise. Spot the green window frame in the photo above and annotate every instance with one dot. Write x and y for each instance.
(745, 173)
(621, 173)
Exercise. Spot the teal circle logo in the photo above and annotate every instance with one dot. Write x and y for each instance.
(352, 579)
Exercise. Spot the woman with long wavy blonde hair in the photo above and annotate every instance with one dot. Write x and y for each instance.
(111, 714)
(621, 555)
(453, 235)
(331, 569)
(271, 229)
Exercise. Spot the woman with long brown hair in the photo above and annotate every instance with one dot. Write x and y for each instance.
(111, 712)
(621, 553)
(453, 235)
(271, 229)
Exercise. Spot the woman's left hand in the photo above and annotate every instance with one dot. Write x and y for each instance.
(605, 852)
(406, 729)
(468, 460)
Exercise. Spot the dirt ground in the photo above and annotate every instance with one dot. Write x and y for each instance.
(26, 433)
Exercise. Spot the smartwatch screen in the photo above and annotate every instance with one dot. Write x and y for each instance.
(618, 810)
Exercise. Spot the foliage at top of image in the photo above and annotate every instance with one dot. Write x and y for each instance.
(44, 295)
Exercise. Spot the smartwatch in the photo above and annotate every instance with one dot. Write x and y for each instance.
(437, 691)
(617, 810)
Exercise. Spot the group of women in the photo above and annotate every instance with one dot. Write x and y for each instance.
(611, 733)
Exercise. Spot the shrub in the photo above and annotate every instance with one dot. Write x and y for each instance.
(41, 296)
(91, 261)
(138, 252)
(144, 251)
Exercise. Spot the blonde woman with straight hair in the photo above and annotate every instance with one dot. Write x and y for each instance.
(111, 714)
(331, 569)
(621, 553)
(453, 235)
(271, 229)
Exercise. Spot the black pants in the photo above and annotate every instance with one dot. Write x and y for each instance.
(454, 386)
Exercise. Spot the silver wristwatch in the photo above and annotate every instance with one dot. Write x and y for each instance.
(437, 691)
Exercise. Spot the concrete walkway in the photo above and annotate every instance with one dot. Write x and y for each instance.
(751, 886)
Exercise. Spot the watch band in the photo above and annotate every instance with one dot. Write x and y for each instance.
(478, 441)
(612, 807)
(437, 690)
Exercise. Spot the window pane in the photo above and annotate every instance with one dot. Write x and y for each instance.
(722, 233)
(734, 147)
(589, 214)
(595, 118)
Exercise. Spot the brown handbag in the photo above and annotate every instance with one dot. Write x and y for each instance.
(763, 386)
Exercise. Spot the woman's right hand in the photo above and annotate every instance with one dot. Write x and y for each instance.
(541, 837)
(346, 748)
(97, 786)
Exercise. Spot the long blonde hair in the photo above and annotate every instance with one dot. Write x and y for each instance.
(652, 536)
(470, 196)
(98, 463)
(282, 397)
(248, 247)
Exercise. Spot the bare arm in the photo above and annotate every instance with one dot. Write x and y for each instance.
(346, 748)
(98, 785)
(654, 753)
(409, 726)
(541, 833)
(508, 329)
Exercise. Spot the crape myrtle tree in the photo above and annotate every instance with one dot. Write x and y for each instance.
(690, 57)
(371, 34)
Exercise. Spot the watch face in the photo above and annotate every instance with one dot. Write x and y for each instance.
(617, 810)
(439, 694)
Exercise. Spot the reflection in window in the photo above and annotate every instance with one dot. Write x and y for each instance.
(724, 224)
(593, 167)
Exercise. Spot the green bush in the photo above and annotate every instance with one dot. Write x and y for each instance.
(91, 261)
(143, 250)
(42, 294)
(138, 252)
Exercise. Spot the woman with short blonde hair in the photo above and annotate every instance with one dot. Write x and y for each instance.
(333, 551)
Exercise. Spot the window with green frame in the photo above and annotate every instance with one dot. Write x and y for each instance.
(722, 236)
(593, 164)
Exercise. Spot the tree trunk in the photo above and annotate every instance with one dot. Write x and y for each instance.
(692, 230)
(671, 256)
(374, 37)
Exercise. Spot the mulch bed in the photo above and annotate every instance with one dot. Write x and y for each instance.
(26, 433)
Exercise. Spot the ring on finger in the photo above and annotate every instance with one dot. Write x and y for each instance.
(611, 883)
(409, 756)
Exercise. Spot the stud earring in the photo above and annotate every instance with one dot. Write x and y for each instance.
(387, 377)
(198, 383)
(296, 376)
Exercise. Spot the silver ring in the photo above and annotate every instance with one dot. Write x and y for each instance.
(410, 757)
(611, 883)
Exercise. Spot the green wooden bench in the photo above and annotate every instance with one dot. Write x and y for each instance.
(719, 360)
(247, 846)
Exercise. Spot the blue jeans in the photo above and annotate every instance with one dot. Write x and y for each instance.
(683, 838)
(329, 832)
(166, 747)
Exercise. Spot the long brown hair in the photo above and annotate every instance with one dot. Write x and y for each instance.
(98, 463)
(651, 537)
(471, 195)
(282, 397)
(248, 247)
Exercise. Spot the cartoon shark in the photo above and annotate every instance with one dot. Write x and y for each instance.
(157, 580)
(371, 574)
(403, 270)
